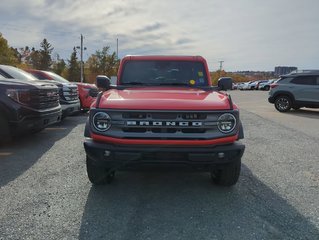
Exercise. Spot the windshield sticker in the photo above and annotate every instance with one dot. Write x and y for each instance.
(200, 74)
(192, 82)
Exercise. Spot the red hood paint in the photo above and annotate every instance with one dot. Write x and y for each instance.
(164, 98)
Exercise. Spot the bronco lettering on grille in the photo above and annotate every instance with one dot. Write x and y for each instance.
(164, 123)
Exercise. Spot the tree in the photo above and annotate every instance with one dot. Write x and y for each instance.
(59, 65)
(34, 59)
(45, 55)
(74, 73)
(102, 63)
(7, 55)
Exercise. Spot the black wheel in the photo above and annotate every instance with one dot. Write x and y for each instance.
(98, 175)
(283, 103)
(5, 134)
(228, 175)
(267, 88)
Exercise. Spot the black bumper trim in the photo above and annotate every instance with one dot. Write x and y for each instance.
(110, 156)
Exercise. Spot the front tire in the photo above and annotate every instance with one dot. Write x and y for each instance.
(283, 103)
(228, 175)
(98, 175)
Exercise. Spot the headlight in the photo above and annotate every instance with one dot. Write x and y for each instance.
(101, 121)
(19, 95)
(226, 123)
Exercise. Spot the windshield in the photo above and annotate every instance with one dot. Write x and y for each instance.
(16, 73)
(56, 77)
(155, 73)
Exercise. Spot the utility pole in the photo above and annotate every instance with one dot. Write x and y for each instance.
(117, 49)
(220, 68)
(220, 65)
(81, 56)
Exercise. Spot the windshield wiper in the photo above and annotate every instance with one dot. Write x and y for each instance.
(174, 84)
(133, 83)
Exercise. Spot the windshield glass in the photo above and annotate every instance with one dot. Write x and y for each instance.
(155, 73)
(16, 73)
(57, 77)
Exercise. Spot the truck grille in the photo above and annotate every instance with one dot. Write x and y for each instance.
(69, 94)
(44, 98)
(164, 124)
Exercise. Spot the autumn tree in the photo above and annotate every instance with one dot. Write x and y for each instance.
(103, 63)
(8, 55)
(74, 73)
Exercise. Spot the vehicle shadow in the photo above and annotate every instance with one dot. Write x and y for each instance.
(25, 151)
(179, 205)
(305, 112)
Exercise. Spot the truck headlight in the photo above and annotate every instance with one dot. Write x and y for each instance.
(101, 121)
(226, 123)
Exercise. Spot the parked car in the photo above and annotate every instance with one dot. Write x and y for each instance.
(246, 85)
(252, 85)
(26, 105)
(87, 94)
(295, 91)
(240, 86)
(69, 95)
(260, 82)
(266, 85)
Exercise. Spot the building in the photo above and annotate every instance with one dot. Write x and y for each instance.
(282, 70)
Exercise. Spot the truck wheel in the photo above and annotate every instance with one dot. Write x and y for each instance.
(5, 134)
(267, 88)
(228, 175)
(283, 103)
(98, 175)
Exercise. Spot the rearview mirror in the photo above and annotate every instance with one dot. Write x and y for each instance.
(103, 82)
(225, 83)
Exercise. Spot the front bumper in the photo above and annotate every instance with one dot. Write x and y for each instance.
(70, 108)
(126, 157)
(271, 99)
(35, 122)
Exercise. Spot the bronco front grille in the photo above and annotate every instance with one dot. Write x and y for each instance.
(164, 124)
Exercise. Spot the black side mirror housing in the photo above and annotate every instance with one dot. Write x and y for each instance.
(103, 82)
(225, 83)
(93, 92)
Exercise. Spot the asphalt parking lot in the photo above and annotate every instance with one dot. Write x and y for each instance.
(45, 193)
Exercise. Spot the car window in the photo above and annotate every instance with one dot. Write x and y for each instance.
(317, 80)
(164, 72)
(304, 80)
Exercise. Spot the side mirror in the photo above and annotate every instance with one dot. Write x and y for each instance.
(93, 92)
(225, 83)
(114, 80)
(103, 82)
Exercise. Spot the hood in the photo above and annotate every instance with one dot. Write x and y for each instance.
(161, 98)
(15, 83)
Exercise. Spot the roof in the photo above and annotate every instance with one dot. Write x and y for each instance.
(164, 57)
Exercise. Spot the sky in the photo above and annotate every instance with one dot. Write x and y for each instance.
(247, 35)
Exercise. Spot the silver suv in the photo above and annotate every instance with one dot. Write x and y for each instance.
(296, 90)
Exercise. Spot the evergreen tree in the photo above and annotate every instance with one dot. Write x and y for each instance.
(45, 55)
(59, 66)
(74, 73)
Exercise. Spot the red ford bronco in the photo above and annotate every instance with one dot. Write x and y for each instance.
(163, 111)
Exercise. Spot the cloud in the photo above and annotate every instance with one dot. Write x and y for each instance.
(248, 35)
